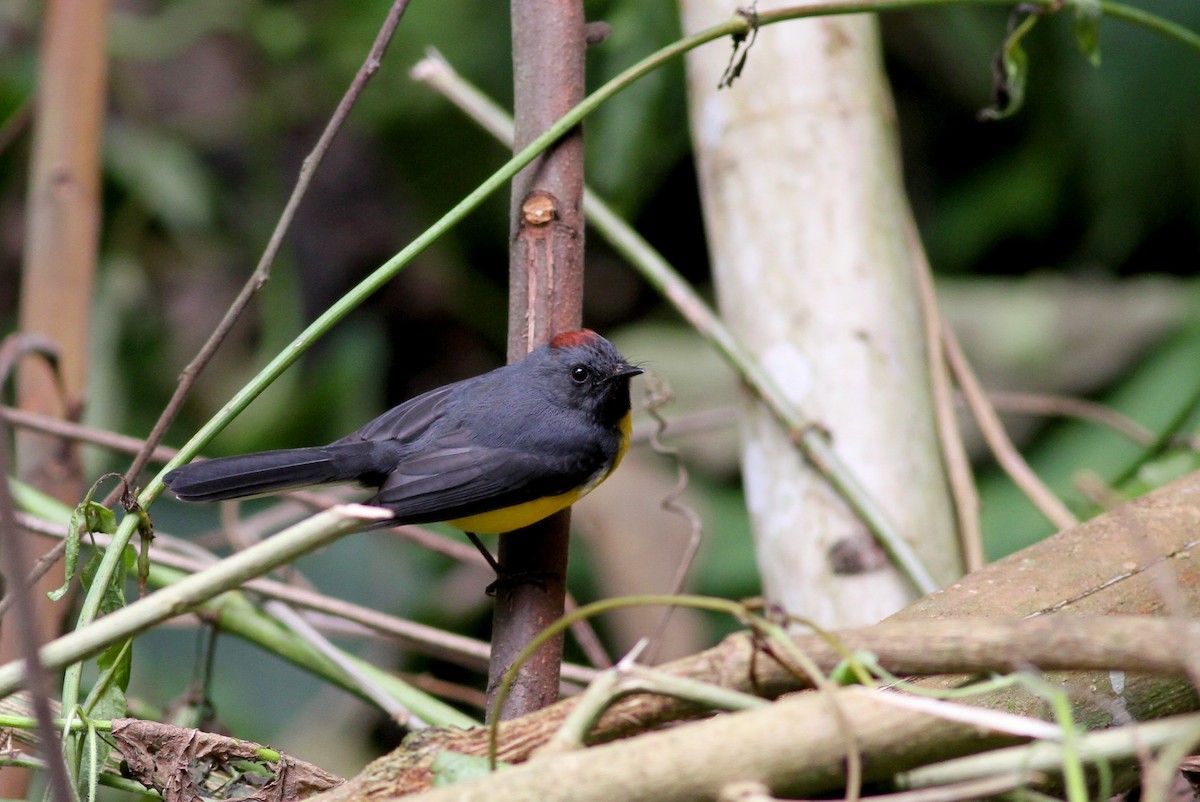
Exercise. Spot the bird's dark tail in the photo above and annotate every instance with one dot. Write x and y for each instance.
(272, 471)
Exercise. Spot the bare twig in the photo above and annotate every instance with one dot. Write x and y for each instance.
(262, 271)
(997, 439)
(85, 434)
(1070, 407)
(586, 638)
(659, 394)
(369, 688)
(704, 421)
(15, 347)
(41, 567)
(954, 452)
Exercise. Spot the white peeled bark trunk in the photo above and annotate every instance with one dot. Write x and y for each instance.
(806, 218)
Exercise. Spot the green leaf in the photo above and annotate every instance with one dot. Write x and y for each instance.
(451, 767)
(1009, 73)
(106, 701)
(1166, 469)
(850, 671)
(1087, 29)
(87, 517)
(115, 663)
(114, 594)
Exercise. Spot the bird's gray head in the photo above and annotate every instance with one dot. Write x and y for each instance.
(582, 370)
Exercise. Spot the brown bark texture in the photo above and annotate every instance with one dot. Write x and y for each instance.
(545, 298)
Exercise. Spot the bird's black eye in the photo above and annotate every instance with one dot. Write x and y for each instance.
(580, 374)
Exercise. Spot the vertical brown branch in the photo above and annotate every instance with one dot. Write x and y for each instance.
(62, 229)
(545, 293)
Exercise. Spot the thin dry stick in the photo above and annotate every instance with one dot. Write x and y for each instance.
(997, 439)
(85, 434)
(369, 688)
(16, 347)
(954, 452)
(1068, 407)
(704, 421)
(41, 567)
(263, 270)
(660, 394)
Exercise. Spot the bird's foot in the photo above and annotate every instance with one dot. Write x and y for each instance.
(510, 579)
(505, 578)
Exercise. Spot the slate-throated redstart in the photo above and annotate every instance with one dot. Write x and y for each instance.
(488, 454)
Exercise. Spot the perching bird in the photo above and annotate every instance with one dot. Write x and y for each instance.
(489, 454)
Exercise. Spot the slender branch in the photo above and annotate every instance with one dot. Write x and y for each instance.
(1068, 406)
(997, 439)
(367, 686)
(262, 271)
(954, 452)
(85, 434)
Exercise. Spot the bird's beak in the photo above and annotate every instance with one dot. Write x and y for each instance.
(624, 370)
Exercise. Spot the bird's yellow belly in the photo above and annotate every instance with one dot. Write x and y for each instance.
(498, 522)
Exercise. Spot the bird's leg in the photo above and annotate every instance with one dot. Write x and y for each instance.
(487, 555)
(503, 575)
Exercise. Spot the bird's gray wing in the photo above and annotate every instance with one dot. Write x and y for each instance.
(408, 421)
(455, 478)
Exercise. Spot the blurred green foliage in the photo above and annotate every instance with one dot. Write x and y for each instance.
(214, 103)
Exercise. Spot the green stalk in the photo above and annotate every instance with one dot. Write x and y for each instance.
(308, 535)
